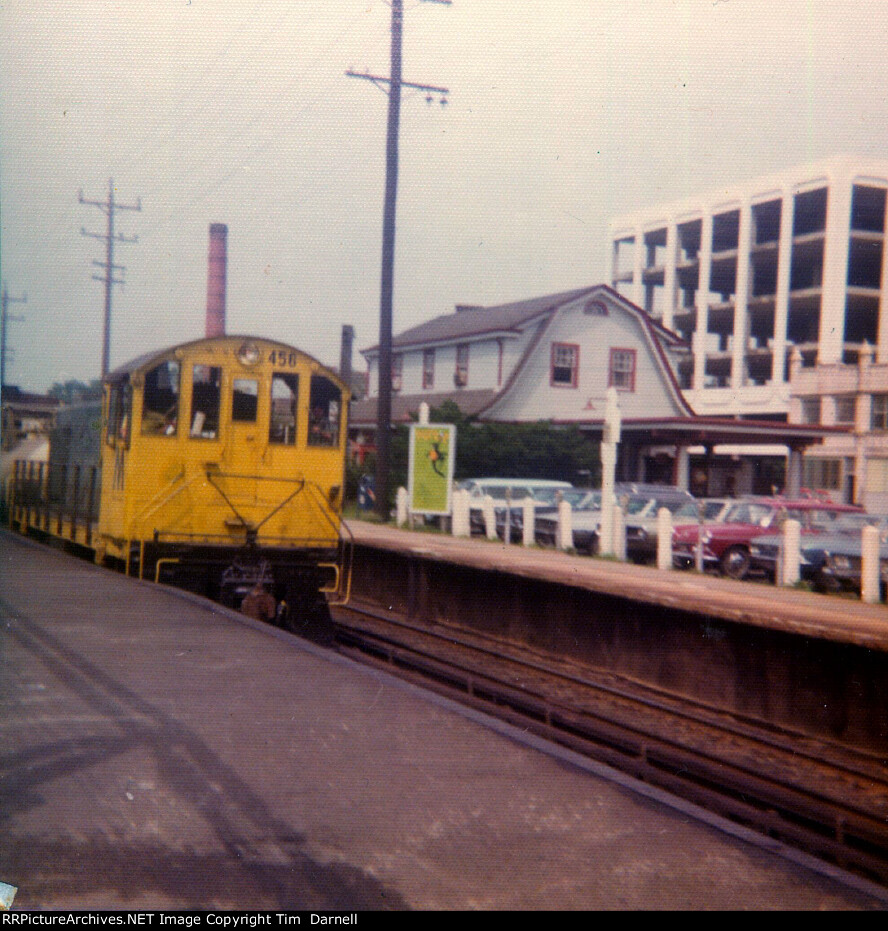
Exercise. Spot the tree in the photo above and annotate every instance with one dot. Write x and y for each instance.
(74, 390)
(531, 450)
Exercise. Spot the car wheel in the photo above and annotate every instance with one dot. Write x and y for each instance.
(826, 584)
(735, 562)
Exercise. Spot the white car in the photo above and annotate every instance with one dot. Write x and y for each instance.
(517, 490)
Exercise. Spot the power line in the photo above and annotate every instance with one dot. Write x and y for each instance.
(394, 83)
(109, 207)
(241, 130)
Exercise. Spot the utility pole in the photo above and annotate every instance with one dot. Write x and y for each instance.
(392, 85)
(108, 207)
(5, 317)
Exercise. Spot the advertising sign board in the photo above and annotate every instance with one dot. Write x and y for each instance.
(430, 473)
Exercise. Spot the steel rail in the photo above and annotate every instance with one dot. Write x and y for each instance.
(822, 798)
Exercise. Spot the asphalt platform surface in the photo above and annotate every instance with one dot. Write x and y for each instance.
(159, 752)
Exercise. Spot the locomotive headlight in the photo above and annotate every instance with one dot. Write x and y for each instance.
(248, 354)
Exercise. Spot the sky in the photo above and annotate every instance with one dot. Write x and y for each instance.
(561, 114)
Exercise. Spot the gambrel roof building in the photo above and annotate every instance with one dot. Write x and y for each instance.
(553, 358)
(549, 358)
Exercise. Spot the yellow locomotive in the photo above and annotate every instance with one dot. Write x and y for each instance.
(217, 465)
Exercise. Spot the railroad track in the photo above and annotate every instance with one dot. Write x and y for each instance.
(826, 799)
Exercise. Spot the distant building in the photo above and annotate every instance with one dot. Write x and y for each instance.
(750, 272)
(25, 415)
(553, 358)
(852, 467)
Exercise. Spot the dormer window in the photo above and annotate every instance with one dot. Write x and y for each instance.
(461, 375)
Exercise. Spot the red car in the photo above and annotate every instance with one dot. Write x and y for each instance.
(726, 544)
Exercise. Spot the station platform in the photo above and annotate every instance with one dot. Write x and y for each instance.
(763, 605)
(161, 752)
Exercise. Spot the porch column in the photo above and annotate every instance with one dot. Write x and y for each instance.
(794, 473)
(682, 477)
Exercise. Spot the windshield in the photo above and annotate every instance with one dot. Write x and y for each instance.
(748, 512)
(672, 506)
(588, 501)
(854, 523)
(688, 510)
(550, 495)
(639, 505)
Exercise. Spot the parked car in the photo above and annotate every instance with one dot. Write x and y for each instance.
(707, 510)
(726, 545)
(546, 519)
(642, 509)
(497, 488)
(842, 568)
(828, 557)
(545, 501)
(641, 503)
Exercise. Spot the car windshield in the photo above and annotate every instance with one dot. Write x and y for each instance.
(640, 504)
(750, 512)
(672, 506)
(588, 501)
(820, 519)
(550, 495)
(853, 523)
(690, 510)
(499, 491)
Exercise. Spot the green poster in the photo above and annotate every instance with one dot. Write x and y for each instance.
(432, 453)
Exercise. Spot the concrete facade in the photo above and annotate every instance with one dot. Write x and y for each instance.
(853, 467)
(750, 273)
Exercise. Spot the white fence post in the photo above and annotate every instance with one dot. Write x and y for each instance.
(869, 570)
(619, 537)
(664, 538)
(401, 510)
(565, 526)
(791, 553)
(460, 524)
(489, 517)
(527, 522)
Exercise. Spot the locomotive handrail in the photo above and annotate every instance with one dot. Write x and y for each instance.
(346, 546)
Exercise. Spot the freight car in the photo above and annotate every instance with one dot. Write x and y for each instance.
(216, 465)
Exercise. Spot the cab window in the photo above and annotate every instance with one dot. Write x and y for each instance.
(284, 395)
(325, 407)
(244, 398)
(120, 400)
(205, 396)
(160, 404)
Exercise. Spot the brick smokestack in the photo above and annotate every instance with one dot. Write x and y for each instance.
(216, 270)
